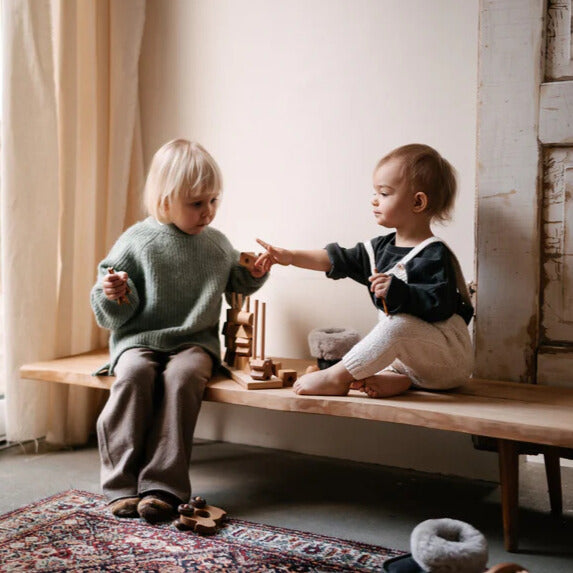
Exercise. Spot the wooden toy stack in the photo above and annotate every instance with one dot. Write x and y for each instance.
(238, 332)
(244, 333)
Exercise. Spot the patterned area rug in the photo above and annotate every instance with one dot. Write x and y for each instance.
(74, 531)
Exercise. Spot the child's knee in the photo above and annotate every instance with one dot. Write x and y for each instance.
(140, 374)
(189, 376)
(136, 367)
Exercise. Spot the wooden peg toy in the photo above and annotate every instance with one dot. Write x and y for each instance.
(244, 333)
(121, 299)
(199, 517)
(241, 362)
(287, 376)
(238, 330)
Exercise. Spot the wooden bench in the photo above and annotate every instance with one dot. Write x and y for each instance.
(510, 413)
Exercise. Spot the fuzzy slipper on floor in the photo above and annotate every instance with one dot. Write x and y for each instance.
(156, 508)
(125, 507)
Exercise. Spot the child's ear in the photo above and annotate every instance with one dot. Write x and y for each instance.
(163, 211)
(420, 202)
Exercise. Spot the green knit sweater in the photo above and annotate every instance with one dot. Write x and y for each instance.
(177, 282)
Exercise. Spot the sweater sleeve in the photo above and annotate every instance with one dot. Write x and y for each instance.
(109, 314)
(241, 280)
(352, 263)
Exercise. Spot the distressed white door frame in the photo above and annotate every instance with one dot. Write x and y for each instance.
(511, 48)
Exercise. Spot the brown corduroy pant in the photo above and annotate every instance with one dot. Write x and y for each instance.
(145, 431)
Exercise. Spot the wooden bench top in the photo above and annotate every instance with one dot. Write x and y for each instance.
(506, 410)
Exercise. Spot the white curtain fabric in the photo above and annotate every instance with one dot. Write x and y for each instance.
(71, 174)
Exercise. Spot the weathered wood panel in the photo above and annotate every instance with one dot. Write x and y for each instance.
(555, 358)
(556, 113)
(555, 354)
(555, 367)
(506, 325)
(559, 61)
(557, 276)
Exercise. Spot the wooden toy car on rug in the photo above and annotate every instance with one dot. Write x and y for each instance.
(199, 517)
(244, 331)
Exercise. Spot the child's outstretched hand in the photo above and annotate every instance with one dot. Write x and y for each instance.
(114, 285)
(273, 256)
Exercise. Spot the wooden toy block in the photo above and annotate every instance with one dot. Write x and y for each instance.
(243, 347)
(245, 318)
(247, 260)
(261, 369)
(258, 375)
(232, 314)
(276, 367)
(243, 331)
(241, 362)
(199, 517)
(245, 380)
(288, 376)
(229, 356)
(230, 329)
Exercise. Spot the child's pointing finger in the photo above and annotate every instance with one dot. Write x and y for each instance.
(263, 244)
(274, 254)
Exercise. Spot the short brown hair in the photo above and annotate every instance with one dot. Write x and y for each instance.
(425, 170)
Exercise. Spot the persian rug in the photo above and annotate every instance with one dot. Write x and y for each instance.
(74, 531)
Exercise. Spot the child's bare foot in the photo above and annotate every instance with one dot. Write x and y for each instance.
(385, 384)
(333, 381)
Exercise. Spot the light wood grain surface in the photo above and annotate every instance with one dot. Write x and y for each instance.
(508, 410)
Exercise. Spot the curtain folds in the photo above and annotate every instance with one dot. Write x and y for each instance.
(72, 171)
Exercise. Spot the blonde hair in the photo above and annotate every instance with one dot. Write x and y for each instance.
(424, 169)
(180, 169)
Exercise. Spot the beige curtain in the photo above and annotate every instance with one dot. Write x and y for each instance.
(71, 178)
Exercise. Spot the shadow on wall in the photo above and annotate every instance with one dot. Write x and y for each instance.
(301, 301)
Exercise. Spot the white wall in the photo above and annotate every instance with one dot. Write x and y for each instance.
(297, 100)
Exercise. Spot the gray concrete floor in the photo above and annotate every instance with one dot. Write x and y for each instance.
(363, 502)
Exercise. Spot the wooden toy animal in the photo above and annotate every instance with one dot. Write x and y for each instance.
(199, 517)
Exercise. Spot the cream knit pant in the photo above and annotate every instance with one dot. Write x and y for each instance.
(434, 355)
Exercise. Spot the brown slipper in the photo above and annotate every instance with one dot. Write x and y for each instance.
(125, 507)
(156, 508)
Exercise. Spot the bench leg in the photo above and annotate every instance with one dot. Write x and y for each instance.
(509, 482)
(553, 473)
